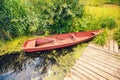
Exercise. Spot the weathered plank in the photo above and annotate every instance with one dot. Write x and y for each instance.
(81, 71)
(101, 63)
(103, 57)
(73, 77)
(111, 45)
(116, 47)
(98, 70)
(78, 75)
(97, 63)
(102, 68)
(94, 75)
(105, 61)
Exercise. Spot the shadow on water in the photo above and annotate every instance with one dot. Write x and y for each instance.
(29, 66)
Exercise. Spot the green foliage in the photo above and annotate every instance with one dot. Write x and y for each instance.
(57, 16)
(1, 43)
(13, 18)
(78, 25)
(89, 22)
(11, 46)
(64, 63)
(102, 38)
(41, 17)
(18, 17)
(107, 22)
(117, 36)
(113, 2)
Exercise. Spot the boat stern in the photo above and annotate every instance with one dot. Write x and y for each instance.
(29, 44)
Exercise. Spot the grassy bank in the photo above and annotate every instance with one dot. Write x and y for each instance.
(64, 63)
(15, 45)
(64, 58)
(61, 60)
(95, 17)
(105, 10)
(106, 16)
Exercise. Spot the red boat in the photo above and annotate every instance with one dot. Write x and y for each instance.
(58, 41)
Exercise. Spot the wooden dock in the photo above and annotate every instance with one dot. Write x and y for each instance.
(111, 45)
(96, 63)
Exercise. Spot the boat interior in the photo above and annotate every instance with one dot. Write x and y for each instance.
(61, 39)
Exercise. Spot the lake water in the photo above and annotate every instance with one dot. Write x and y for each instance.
(24, 66)
(30, 66)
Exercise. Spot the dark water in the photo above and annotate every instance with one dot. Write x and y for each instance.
(29, 66)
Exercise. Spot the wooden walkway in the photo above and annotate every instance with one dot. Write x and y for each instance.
(96, 63)
(111, 45)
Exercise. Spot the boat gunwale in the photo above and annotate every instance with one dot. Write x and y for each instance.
(92, 34)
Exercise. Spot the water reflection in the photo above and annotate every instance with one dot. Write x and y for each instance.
(29, 66)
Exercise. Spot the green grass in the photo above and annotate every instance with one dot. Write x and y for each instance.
(13, 19)
(103, 16)
(104, 11)
(117, 36)
(97, 16)
(101, 2)
(102, 38)
(65, 63)
(14, 45)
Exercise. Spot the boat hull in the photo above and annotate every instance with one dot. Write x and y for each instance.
(58, 41)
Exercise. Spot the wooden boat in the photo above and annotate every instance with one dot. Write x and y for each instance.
(58, 41)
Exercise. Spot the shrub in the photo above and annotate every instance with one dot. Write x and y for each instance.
(117, 36)
(102, 38)
(18, 17)
(13, 18)
(78, 25)
(91, 22)
(57, 16)
(88, 22)
(107, 23)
